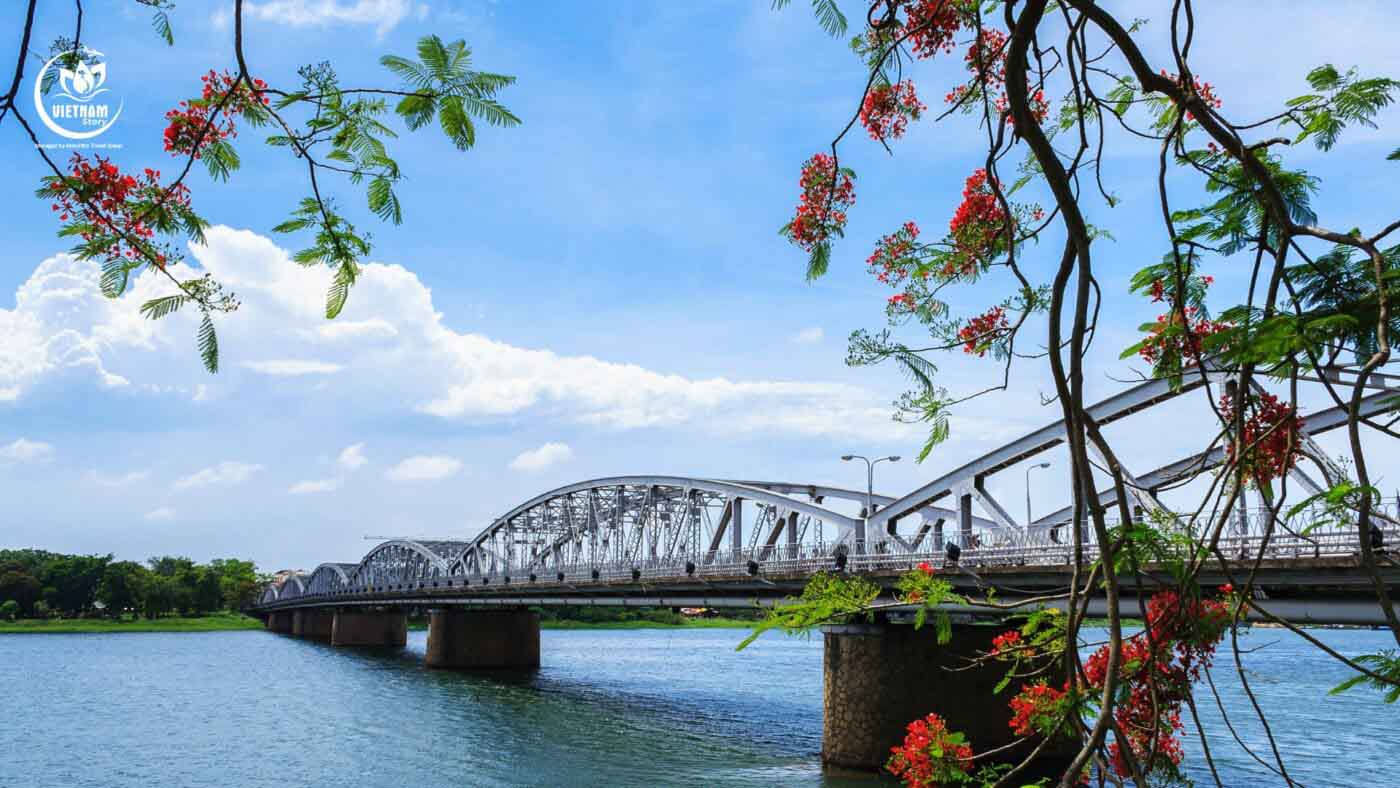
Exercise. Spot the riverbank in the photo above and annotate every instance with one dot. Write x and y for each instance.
(219, 622)
(230, 622)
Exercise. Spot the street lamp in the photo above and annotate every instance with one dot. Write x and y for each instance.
(1028, 489)
(869, 477)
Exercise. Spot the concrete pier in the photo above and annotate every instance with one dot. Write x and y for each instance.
(313, 623)
(483, 639)
(369, 628)
(280, 622)
(879, 678)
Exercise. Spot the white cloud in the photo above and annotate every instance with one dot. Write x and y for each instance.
(353, 457)
(227, 472)
(291, 367)
(356, 329)
(538, 459)
(383, 14)
(163, 513)
(424, 468)
(314, 486)
(118, 480)
(25, 450)
(403, 356)
(809, 336)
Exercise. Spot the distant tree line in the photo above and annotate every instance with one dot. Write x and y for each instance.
(40, 584)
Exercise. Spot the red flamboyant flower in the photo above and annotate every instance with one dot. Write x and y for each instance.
(189, 119)
(1156, 668)
(1271, 439)
(1203, 90)
(827, 193)
(1177, 336)
(986, 60)
(981, 331)
(931, 755)
(926, 568)
(978, 228)
(932, 24)
(1186, 344)
(892, 260)
(888, 109)
(1007, 643)
(1037, 708)
(111, 211)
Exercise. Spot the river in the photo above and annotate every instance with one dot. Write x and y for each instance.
(607, 708)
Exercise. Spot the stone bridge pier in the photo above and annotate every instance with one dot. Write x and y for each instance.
(313, 623)
(483, 639)
(279, 622)
(369, 627)
(877, 678)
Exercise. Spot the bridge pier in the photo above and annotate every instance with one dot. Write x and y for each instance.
(312, 623)
(483, 639)
(280, 622)
(879, 678)
(369, 628)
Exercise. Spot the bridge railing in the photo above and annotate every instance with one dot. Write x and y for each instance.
(1315, 538)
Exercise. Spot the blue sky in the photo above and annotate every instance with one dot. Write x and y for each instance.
(599, 291)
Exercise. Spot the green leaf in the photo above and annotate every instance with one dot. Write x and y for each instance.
(1394, 155)
(339, 291)
(156, 308)
(208, 344)
(161, 22)
(114, 277)
(828, 15)
(417, 111)
(455, 123)
(383, 201)
(819, 261)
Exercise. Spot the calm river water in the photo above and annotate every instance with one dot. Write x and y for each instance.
(641, 707)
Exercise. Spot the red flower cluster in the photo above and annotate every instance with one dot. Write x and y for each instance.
(978, 228)
(1203, 90)
(979, 333)
(1184, 345)
(1159, 288)
(892, 259)
(827, 193)
(1156, 668)
(888, 109)
(932, 24)
(109, 207)
(1037, 708)
(1008, 643)
(986, 60)
(1271, 438)
(188, 121)
(931, 755)
(926, 568)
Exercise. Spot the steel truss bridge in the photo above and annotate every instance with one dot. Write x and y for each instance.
(681, 541)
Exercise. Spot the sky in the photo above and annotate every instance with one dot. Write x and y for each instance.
(600, 291)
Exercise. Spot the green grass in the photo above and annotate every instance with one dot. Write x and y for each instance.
(218, 622)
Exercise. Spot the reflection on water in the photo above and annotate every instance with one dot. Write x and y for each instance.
(641, 707)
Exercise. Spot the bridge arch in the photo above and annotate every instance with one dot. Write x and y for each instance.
(405, 562)
(649, 522)
(329, 579)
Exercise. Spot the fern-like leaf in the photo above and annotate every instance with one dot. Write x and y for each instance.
(208, 344)
(157, 308)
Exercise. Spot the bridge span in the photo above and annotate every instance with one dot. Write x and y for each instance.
(651, 540)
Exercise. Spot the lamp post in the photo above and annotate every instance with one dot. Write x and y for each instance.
(869, 485)
(1028, 489)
